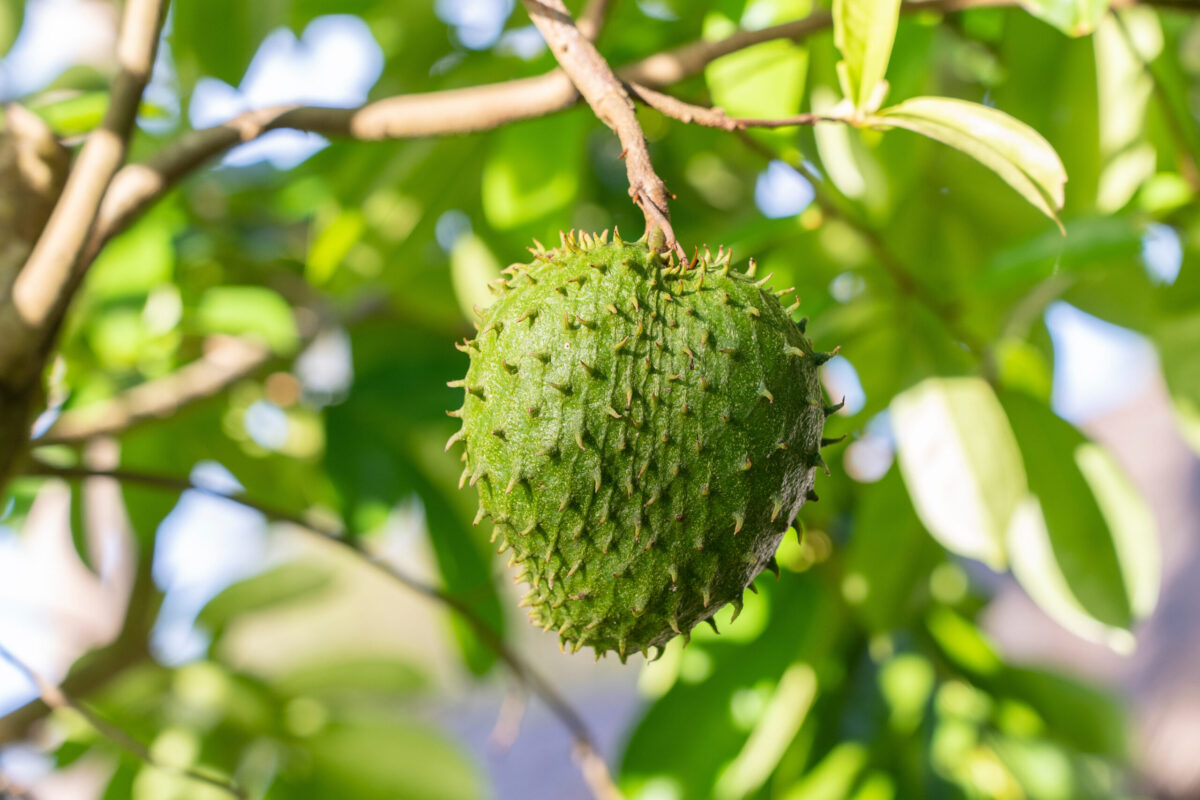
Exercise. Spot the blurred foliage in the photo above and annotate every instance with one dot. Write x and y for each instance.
(862, 673)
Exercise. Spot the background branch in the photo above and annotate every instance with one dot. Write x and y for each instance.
(455, 111)
(226, 360)
(54, 697)
(441, 113)
(46, 282)
(606, 95)
(594, 770)
(129, 648)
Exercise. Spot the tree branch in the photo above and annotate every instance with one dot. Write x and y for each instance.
(226, 360)
(46, 282)
(594, 770)
(605, 93)
(443, 113)
(100, 666)
(54, 697)
(138, 186)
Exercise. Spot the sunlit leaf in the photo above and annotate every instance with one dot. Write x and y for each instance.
(248, 310)
(851, 166)
(12, 16)
(766, 80)
(136, 261)
(960, 463)
(473, 267)
(532, 169)
(331, 244)
(1178, 342)
(1072, 17)
(1084, 543)
(834, 776)
(1124, 88)
(962, 641)
(1007, 146)
(906, 682)
(778, 725)
(864, 31)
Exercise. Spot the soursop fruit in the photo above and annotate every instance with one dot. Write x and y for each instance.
(641, 431)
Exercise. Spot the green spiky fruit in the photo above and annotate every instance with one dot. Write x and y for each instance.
(641, 432)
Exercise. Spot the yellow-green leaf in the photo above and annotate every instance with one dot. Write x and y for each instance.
(1007, 146)
(864, 31)
(1072, 17)
(960, 463)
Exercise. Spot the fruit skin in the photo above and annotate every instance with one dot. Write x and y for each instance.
(641, 432)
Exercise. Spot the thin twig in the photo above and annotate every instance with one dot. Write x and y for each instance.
(54, 697)
(444, 113)
(46, 282)
(713, 117)
(605, 93)
(594, 769)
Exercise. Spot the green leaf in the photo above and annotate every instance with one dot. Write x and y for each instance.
(219, 37)
(12, 17)
(864, 31)
(533, 170)
(963, 642)
(906, 682)
(888, 555)
(1178, 342)
(248, 310)
(961, 464)
(1123, 90)
(386, 445)
(766, 80)
(1007, 146)
(835, 776)
(785, 713)
(338, 674)
(473, 267)
(76, 114)
(1083, 544)
(139, 260)
(686, 737)
(275, 587)
(1072, 17)
(391, 760)
(332, 242)
(1085, 717)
